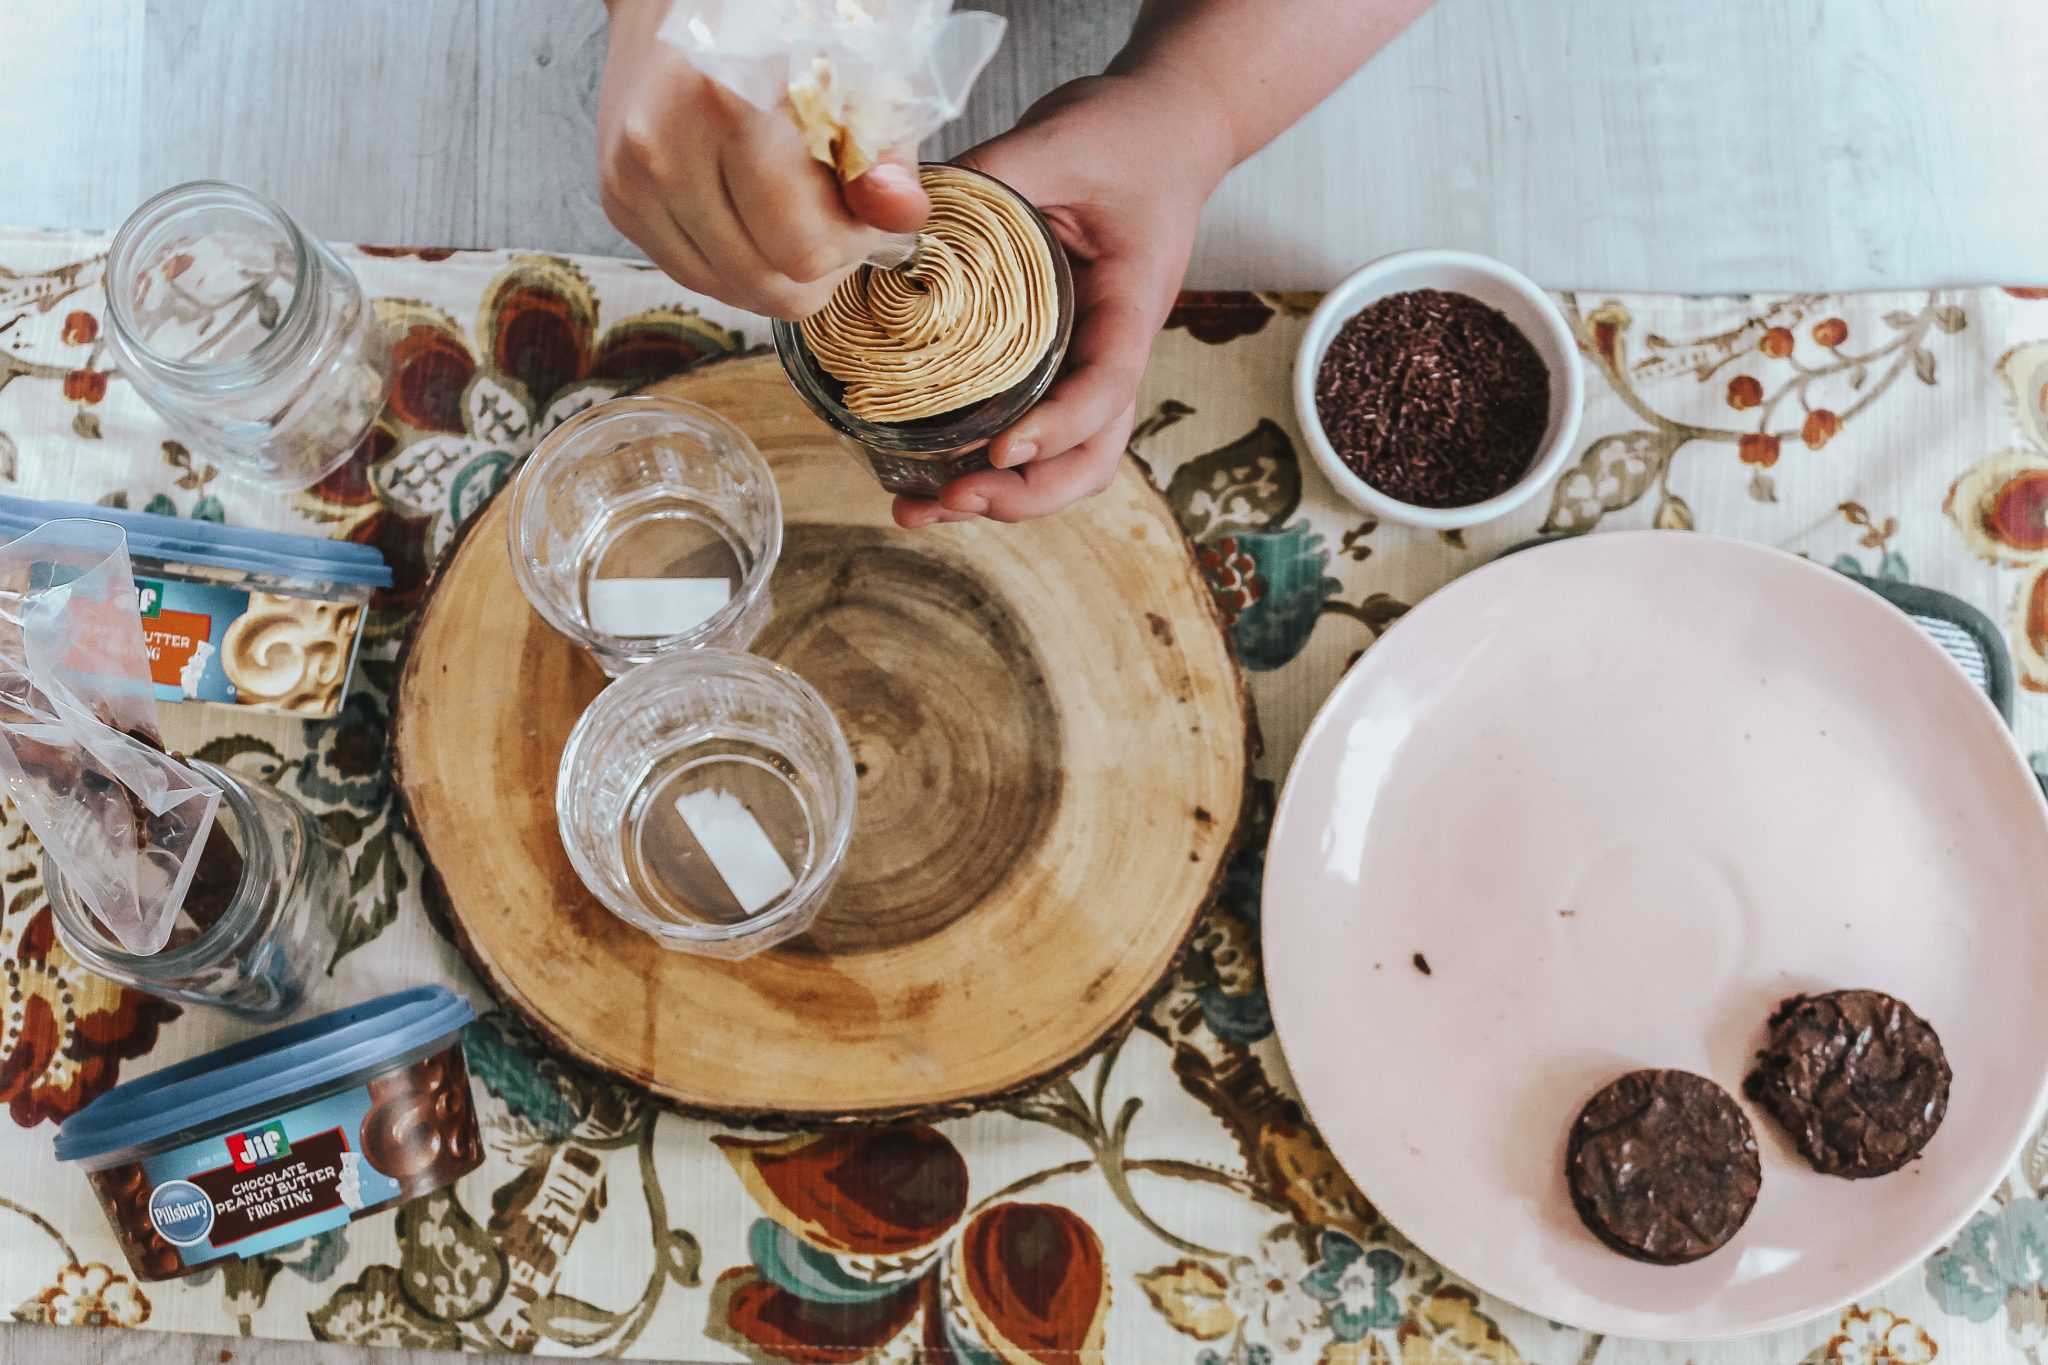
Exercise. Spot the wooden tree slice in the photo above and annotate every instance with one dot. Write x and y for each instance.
(1053, 741)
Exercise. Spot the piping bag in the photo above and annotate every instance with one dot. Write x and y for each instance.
(123, 821)
(858, 78)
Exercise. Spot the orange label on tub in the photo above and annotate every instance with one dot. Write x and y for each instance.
(173, 637)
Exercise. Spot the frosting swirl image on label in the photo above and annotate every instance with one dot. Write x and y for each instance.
(290, 653)
(969, 318)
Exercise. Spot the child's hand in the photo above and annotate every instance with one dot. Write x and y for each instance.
(723, 196)
(1120, 166)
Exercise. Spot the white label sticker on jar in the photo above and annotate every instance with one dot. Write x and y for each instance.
(641, 608)
(739, 849)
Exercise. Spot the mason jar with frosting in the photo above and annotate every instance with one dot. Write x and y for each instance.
(235, 616)
(919, 367)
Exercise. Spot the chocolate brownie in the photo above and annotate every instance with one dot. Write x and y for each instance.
(1663, 1166)
(1857, 1079)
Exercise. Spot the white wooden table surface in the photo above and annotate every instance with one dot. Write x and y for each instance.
(1630, 144)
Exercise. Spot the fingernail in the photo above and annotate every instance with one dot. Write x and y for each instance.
(974, 505)
(1019, 452)
(890, 176)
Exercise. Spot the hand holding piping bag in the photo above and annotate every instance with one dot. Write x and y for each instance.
(761, 150)
(1119, 164)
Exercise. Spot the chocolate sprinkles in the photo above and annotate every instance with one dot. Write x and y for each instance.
(1433, 398)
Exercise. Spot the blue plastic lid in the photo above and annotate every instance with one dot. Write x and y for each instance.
(278, 1070)
(209, 542)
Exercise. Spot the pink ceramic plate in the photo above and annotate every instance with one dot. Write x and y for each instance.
(1624, 794)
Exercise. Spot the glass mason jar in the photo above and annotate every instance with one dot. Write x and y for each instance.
(273, 935)
(919, 458)
(251, 339)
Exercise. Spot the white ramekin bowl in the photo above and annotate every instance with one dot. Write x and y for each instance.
(1493, 284)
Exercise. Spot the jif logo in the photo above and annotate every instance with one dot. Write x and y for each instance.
(257, 1146)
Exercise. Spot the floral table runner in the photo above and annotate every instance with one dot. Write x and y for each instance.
(1168, 1203)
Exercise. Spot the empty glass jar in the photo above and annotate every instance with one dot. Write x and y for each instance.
(707, 799)
(247, 944)
(251, 339)
(646, 526)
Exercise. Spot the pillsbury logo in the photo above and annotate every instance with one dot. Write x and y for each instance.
(181, 1212)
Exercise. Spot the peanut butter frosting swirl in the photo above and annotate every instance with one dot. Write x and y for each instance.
(967, 320)
(290, 652)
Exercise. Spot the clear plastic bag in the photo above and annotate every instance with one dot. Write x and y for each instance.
(79, 753)
(860, 78)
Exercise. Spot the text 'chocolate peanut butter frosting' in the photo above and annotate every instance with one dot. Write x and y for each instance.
(967, 320)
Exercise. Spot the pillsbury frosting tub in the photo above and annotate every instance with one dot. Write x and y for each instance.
(255, 1146)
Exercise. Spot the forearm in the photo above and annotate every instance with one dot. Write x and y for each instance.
(1259, 64)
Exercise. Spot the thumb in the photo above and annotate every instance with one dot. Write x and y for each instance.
(889, 197)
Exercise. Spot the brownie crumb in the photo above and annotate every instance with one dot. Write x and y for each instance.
(1421, 964)
(1433, 398)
